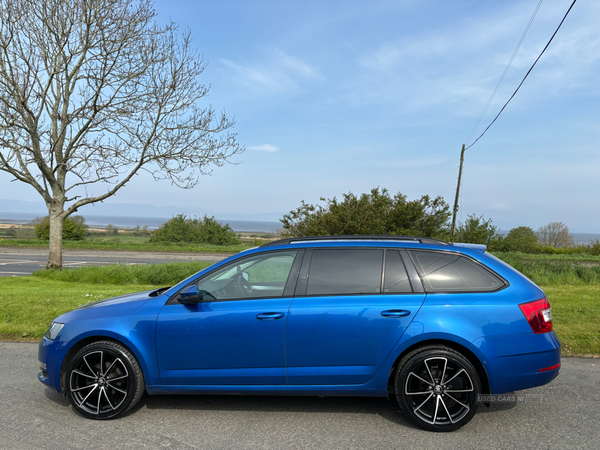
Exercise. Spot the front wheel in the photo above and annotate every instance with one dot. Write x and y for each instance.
(104, 380)
(437, 388)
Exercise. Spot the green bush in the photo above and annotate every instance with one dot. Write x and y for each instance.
(74, 228)
(375, 213)
(182, 229)
(521, 239)
(594, 247)
(477, 230)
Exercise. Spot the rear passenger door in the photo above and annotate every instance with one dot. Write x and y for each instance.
(350, 308)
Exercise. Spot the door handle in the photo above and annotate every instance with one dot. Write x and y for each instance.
(395, 313)
(269, 316)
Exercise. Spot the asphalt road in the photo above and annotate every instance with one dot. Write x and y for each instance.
(21, 262)
(34, 416)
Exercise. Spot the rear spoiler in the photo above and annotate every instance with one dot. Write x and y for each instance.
(479, 247)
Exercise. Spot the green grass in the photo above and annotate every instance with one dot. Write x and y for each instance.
(576, 318)
(123, 274)
(554, 271)
(116, 243)
(575, 257)
(28, 304)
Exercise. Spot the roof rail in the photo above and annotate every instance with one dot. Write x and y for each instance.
(356, 237)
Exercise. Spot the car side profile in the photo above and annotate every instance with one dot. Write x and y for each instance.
(433, 324)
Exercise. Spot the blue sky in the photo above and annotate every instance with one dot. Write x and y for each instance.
(344, 96)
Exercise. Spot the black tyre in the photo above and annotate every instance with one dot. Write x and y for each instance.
(104, 380)
(437, 388)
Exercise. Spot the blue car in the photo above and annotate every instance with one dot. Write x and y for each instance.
(435, 325)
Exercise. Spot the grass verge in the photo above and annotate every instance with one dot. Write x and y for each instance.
(117, 244)
(28, 304)
(123, 274)
(576, 318)
(554, 271)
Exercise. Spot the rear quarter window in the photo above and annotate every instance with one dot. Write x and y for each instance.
(452, 272)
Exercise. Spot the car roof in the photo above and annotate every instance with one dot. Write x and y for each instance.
(356, 238)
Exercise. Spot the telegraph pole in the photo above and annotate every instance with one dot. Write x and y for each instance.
(462, 158)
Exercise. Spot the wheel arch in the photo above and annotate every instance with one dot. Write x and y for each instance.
(468, 354)
(97, 338)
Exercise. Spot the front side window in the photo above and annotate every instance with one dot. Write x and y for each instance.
(450, 272)
(345, 271)
(263, 275)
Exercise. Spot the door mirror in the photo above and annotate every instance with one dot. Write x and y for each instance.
(189, 295)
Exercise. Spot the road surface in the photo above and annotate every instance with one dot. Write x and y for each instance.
(563, 415)
(24, 261)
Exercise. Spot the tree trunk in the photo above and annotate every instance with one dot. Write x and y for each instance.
(57, 220)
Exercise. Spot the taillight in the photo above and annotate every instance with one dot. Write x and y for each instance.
(539, 315)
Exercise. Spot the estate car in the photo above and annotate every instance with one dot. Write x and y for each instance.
(433, 324)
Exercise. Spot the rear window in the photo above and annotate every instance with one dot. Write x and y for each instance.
(450, 272)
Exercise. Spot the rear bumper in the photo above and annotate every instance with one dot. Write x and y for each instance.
(517, 362)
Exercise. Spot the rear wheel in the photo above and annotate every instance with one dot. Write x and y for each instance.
(437, 388)
(104, 380)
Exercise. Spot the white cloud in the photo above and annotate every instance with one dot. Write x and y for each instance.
(264, 148)
(276, 74)
(460, 64)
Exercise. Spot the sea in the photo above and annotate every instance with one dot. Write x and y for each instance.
(257, 226)
(151, 222)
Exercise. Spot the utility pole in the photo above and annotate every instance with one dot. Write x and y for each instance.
(462, 158)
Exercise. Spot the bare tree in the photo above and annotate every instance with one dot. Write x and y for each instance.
(92, 92)
(555, 234)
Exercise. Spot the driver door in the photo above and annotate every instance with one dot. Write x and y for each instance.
(235, 334)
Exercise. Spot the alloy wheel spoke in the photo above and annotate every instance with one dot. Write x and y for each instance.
(426, 400)
(418, 393)
(429, 372)
(84, 387)
(457, 401)
(455, 375)
(101, 363)
(88, 364)
(89, 393)
(437, 405)
(444, 371)
(118, 378)
(417, 376)
(79, 372)
(99, 398)
(107, 399)
(459, 390)
(116, 389)
(447, 412)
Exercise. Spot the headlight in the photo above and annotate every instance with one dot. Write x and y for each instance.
(54, 330)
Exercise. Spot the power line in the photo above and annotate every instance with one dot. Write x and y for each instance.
(505, 71)
(526, 75)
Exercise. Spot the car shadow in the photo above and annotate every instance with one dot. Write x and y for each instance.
(386, 409)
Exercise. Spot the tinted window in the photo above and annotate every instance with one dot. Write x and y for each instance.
(396, 278)
(263, 275)
(345, 272)
(443, 272)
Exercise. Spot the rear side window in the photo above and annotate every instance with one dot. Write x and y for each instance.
(449, 272)
(395, 278)
(345, 272)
